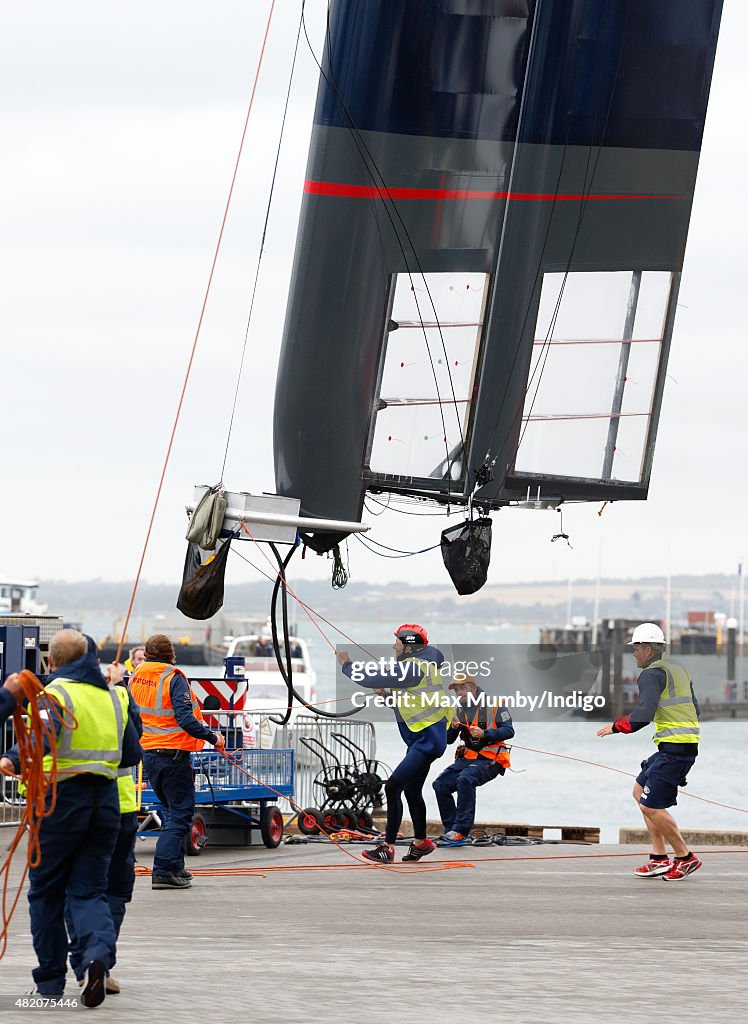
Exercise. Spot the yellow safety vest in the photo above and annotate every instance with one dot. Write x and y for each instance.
(128, 801)
(420, 706)
(95, 745)
(675, 719)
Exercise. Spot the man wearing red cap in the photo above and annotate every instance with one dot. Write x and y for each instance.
(422, 722)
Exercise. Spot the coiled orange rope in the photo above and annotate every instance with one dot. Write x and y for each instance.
(33, 726)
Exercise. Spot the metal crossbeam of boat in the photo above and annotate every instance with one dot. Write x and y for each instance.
(300, 522)
(276, 515)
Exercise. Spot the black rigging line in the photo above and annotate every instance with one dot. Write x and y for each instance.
(383, 507)
(402, 511)
(399, 551)
(402, 554)
(262, 242)
(286, 669)
(374, 172)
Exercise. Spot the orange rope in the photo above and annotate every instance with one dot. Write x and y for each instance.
(331, 836)
(41, 785)
(631, 775)
(443, 865)
(123, 635)
(279, 574)
(307, 607)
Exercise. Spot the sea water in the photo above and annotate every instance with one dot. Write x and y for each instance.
(546, 787)
(550, 784)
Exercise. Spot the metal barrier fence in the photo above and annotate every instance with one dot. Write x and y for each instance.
(220, 781)
(259, 731)
(308, 766)
(266, 736)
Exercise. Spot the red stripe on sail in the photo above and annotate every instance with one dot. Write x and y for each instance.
(341, 189)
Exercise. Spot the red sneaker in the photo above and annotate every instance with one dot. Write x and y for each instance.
(681, 868)
(416, 852)
(653, 867)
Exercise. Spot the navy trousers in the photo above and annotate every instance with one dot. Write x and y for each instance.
(76, 843)
(174, 785)
(120, 884)
(462, 777)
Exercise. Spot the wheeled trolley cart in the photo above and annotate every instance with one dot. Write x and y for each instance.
(228, 803)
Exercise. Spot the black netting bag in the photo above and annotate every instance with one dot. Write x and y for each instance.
(201, 593)
(466, 550)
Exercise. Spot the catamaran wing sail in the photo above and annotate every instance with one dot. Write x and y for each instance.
(494, 222)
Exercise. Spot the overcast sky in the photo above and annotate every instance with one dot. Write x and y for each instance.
(120, 124)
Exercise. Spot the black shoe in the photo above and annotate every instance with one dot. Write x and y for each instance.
(169, 882)
(416, 852)
(94, 990)
(184, 873)
(381, 853)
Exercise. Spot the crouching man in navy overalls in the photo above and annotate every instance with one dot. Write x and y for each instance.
(480, 758)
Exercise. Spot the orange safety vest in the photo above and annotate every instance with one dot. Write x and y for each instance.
(493, 751)
(150, 687)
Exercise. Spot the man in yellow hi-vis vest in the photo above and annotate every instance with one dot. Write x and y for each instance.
(121, 874)
(667, 699)
(77, 838)
(421, 711)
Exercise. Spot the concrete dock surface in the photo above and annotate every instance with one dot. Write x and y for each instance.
(521, 934)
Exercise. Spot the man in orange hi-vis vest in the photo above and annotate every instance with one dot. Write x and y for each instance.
(173, 727)
(481, 756)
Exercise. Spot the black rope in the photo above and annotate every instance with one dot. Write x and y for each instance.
(402, 554)
(339, 571)
(286, 670)
(402, 511)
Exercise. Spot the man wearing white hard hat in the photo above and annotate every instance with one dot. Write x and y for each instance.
(667, 699)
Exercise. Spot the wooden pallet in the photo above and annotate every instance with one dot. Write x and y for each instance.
(569, 833)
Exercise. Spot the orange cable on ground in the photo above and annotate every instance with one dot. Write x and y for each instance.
(123, 634)
(40, 784)
(331, 837)
(359, 865)
(442, 865)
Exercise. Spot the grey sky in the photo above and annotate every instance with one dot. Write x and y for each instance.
(120, 124)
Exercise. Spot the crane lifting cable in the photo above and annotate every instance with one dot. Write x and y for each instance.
(193, 350)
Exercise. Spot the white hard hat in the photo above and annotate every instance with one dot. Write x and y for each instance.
(647, 633)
